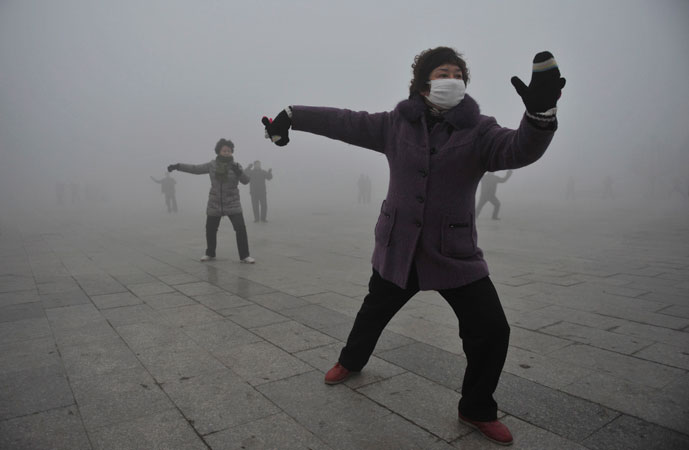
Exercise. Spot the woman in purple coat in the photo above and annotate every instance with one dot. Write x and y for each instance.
(438, 146)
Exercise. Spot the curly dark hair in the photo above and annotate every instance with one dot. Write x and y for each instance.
(429, 59)
(223, 142)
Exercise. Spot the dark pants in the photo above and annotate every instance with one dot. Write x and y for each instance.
(212, 224)
(483, 329)
(260, 206)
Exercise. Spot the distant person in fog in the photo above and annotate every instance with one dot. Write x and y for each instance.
(607, 187)
(489, 187)
(257, 189)
(364, 186)
(223, 199)
(167, 187)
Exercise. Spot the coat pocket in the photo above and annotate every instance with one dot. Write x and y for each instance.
(457, 237)
(386, 220)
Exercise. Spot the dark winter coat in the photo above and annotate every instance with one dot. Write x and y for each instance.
(223, 198)
(427, 218)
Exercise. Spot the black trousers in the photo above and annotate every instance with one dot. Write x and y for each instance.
(212, 224)
(483, 329)
(259, 204)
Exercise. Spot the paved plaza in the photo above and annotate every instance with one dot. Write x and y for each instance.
(114, 336)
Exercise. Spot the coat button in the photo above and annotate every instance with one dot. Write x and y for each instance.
(419, 199)
(433, 151)
(423, 173)
(418, 224)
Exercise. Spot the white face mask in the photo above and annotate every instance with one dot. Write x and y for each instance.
(446, 93)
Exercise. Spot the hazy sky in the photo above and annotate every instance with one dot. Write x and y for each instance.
(112, 92)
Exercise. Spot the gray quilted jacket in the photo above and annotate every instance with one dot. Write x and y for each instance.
(223, 198)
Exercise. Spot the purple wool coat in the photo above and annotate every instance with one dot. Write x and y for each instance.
(427, 218)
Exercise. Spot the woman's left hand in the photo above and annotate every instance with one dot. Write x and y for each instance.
(545, 86)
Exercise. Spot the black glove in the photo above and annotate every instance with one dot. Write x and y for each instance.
(172, 167)
(277, 130)
(545, 87)
(236, 168)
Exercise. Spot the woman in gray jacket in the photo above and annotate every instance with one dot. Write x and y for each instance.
(223, 198)
(438, 146)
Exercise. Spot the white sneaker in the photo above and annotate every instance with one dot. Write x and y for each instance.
(248, 260)
(205, 258)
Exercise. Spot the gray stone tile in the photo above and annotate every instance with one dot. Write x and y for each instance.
(17, 298)
(219, 301)
(15, 283)
(178, 360)
(217, 401)
(444, 368)
(668, 355)
(422, 402)
(597, 338)
(90, 333)
(278, 431)
(128, 277)
(99, 284)
(197, 288)
(545, 370)
(60, 299)
(219, 336)
(535, 341)
(645, 317)
(243, 287)
(316, 316)
(56, 429)
(118, 396)
(164, 430)
(151, 288)
(629, 433)
(653, 333)
(277, 301)
(23, 330)
(140, 336)
(293, 336)
(168, 300)
(33, 390)
(622, 366)
(253, 316)
(653, 405)
(73, 316)
(21, 311)
(178, 278)
(128, 315)
(29, 354)
(560, 413)
(184, 316)
(115, 300)
(97, 358)
(261, 362)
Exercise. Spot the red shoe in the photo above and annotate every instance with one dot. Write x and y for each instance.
(493, 431)
(337, 374)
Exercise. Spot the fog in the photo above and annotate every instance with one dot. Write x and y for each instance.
(106, 94)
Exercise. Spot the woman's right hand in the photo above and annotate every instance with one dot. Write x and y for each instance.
(277, 130)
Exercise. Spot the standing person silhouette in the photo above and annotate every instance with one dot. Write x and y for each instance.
(167, 187)
(223, 198)
(438, 146)
(257, 189)
(489, 187)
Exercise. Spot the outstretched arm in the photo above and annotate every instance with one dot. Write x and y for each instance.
(196, 169)
(157, 181)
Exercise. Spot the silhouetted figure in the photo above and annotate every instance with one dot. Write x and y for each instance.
(364, 185)
(60, 192)
(489, 186)
(677, 188)
(257, 189)
(167, 187)
(607, 187)
(223, 198)
(569, 191)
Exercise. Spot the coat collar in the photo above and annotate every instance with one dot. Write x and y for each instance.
(464, 115)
